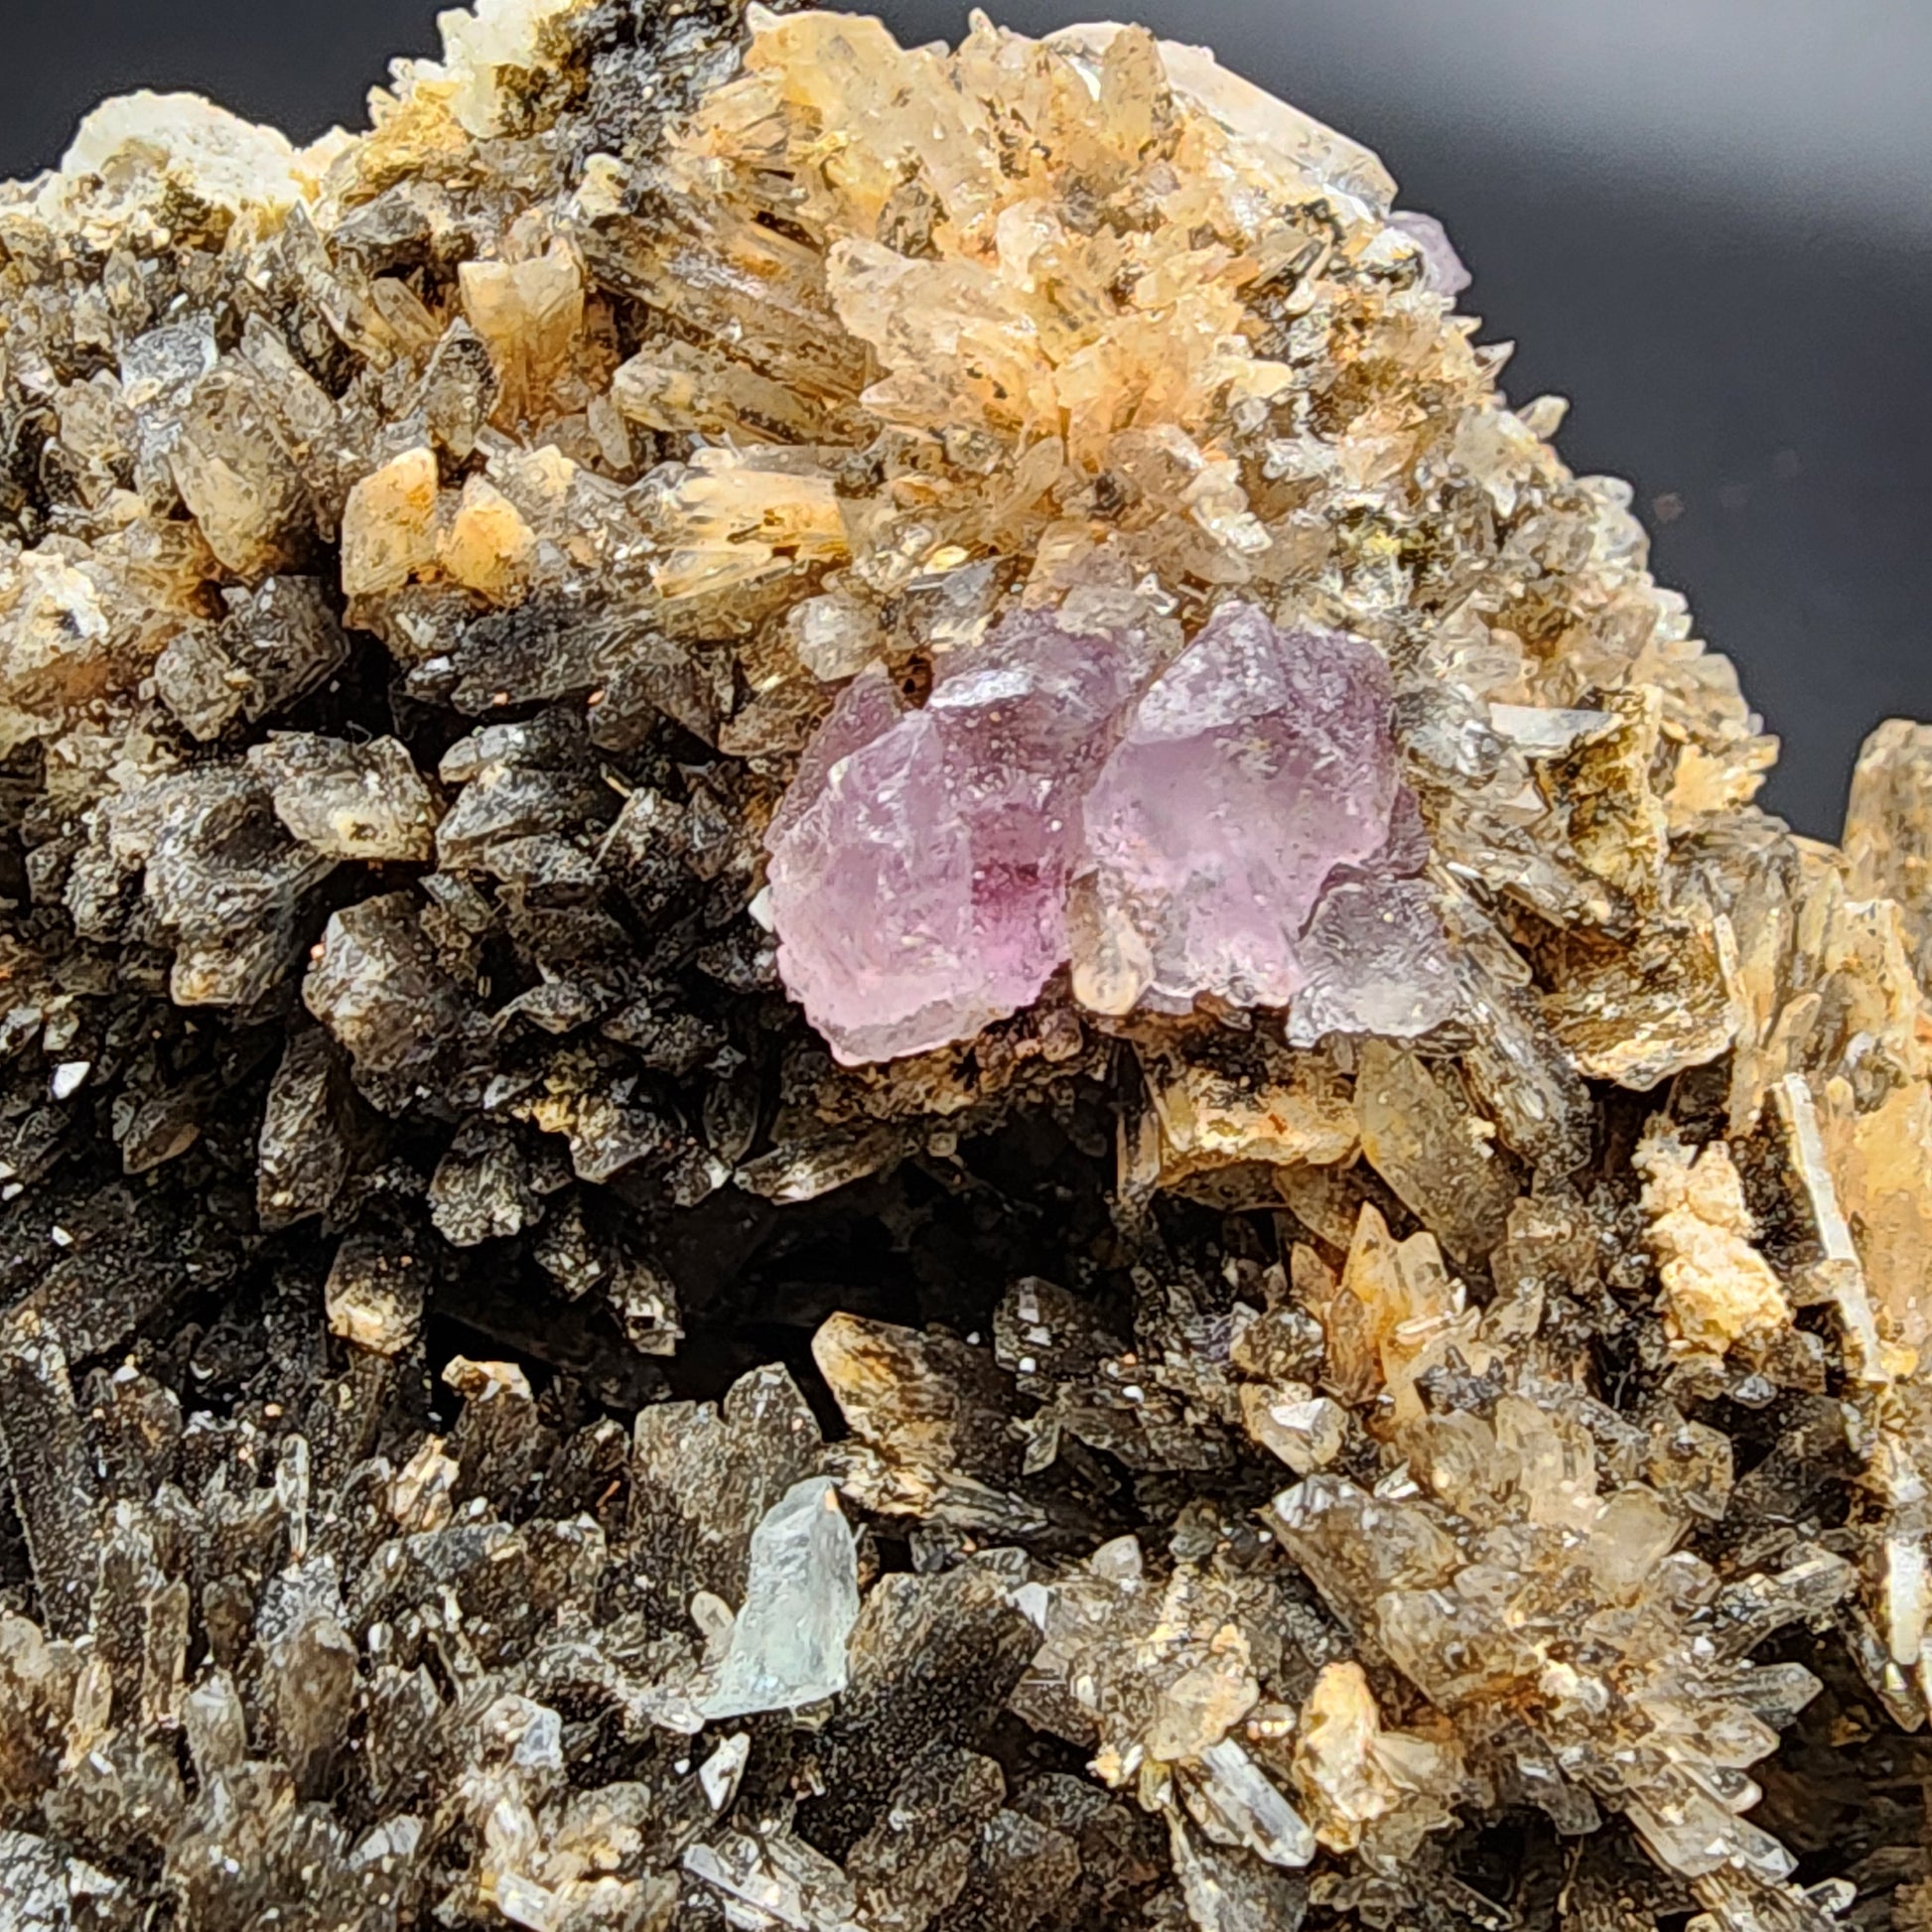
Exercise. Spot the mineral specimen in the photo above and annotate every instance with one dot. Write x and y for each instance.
(802, 1599)
(892, 1043)
(1255, 767)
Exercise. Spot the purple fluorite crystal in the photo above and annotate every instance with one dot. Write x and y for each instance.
(920, 862)
(870, 886)
(1257, 763)
(1174, 834)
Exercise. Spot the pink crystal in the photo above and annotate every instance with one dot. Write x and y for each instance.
(1257, 763)
(870, 886)
(922, 859)
(920, 862)
(1443, 271)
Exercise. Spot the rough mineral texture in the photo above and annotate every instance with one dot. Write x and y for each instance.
(890, 1045)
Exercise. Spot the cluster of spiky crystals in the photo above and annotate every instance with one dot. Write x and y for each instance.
(892, 1043)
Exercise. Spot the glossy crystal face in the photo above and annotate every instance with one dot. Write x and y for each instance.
(1170, 831)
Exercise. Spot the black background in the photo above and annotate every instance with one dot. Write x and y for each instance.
(1707, 222)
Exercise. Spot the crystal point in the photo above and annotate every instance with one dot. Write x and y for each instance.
(788, 1644)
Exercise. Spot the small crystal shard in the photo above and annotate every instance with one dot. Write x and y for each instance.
(1235, 1805)
(802, 1599)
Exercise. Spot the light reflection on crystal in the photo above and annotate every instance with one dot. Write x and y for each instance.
(922, 859)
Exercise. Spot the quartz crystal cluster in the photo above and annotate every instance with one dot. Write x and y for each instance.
(891, 1044)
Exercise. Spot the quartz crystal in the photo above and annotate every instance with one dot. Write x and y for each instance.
(893, 1044)
(802, 1598)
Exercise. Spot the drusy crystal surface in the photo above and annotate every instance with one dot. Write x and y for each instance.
(891, 1044)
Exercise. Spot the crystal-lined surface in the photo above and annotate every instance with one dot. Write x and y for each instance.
(805, 844)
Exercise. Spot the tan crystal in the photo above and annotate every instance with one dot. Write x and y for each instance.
(1888, 826)
(488, 547)
(1882, 1170)
(1197, 1709)
(349, 801)
(378, 1307)
(1296, 1111)
(1719, 1291)
(1639, 1013)
(529, 313)
(1306, 1431)
(1421, 1136)
(390, 525)
(1335, 1767)
(1395, 1313)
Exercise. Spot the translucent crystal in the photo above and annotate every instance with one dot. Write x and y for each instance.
(1011, 545)
(1255, 764)
(1334, 1757)
(802, 1599)
(920, 865)
(1305, 1430)
(1421, 1134)
(1235, 1805)
(923, 862)
(1376, 963)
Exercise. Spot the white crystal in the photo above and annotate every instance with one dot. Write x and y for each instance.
(1234, 1803)
(720, 1773)
(1539, 733)
(800, 1603)
(217, 156)
(1305, 1430)
(527, 1903)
